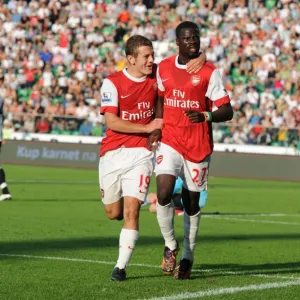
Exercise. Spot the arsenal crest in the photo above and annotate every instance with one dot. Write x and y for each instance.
(159, 159)
(155, 86)
(195, 80)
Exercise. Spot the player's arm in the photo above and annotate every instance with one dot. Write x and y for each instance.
(223, 113)
(156, 135)
(195, 65)
(217, 93)
(110, 108)
(115, 123)
(159, 107)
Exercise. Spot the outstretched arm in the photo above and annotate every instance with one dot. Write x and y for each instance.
(195, 65)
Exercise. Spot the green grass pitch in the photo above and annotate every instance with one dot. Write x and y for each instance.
(56, 242)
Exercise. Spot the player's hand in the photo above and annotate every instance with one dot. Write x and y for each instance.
(155, 124)
(154, 139)
(195, 116)
(195, 65)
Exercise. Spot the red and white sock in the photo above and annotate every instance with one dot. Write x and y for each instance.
(127, 242)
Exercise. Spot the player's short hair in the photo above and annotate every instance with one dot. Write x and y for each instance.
(134, 43)
(186, 25)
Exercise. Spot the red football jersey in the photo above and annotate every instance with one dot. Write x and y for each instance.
(132, 99)
(183, 91)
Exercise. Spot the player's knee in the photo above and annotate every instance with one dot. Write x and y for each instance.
(164, 196)
(191, 211)
(192, 208)
(114, 214)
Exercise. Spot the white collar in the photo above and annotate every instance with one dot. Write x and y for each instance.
(178, 65)
(141, 79)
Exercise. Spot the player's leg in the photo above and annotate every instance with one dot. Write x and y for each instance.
(114, 211)
(168, 166)
(203, 198)
(195, 179)
(177, 201)
(152, 201)
(128, 237)
(134, 182)
(5, 192)
(110, 185)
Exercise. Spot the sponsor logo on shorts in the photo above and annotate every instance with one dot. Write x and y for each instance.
(195, 80)
(159, 159)
(106, 97)
(102, 193)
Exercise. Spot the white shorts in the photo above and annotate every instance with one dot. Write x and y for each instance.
(194, 175)
(125, 172)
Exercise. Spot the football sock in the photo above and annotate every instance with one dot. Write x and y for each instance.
(191, 226)
(127, 242)
(3, 184)
(165, 218)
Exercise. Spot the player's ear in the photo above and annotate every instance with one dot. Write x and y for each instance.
(177, 42)
(131, 59)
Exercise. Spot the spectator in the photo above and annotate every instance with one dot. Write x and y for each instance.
(85, 128)
(29, 124)
(82, 110)
(97, 129)
(264, 138)
(53, 50)
(43, 125)
(217, 134)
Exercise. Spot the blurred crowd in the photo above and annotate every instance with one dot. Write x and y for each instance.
(55, 55)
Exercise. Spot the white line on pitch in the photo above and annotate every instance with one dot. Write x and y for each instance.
(254, 221)
(248, 215)
(231, 290)
(101, 262)
(51, 181)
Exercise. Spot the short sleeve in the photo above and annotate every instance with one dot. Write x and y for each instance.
(216, 91)
(161, 88)
(109, 98)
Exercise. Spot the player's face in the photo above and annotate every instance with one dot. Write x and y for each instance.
(189, 42)
(143, 62)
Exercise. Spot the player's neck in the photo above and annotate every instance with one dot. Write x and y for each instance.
(183, 60)
(134, 73)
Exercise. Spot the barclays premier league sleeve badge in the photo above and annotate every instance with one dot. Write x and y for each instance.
(106, 97)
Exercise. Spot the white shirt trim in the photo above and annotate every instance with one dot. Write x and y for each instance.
(159, 81)
(178, 65)
(109, 94)
(216, 89)
(134, 78)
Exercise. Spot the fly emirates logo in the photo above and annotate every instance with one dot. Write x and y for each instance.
(178, 100)
(145, 110)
